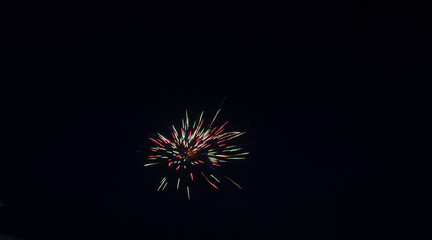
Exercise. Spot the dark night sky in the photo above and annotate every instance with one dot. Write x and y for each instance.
(336, 96)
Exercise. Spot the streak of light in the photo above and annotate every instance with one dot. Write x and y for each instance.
(234, 182)
(187, 189)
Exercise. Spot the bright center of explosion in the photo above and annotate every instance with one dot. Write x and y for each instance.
(190, 153)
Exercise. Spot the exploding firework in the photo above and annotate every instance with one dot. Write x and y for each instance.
(196, 151)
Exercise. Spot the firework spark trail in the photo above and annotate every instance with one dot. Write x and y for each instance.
(196, 148)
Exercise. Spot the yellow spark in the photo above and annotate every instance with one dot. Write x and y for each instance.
(234, 182)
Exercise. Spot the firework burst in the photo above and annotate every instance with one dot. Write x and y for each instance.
(195, 151)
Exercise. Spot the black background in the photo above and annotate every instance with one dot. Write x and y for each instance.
(335, 92)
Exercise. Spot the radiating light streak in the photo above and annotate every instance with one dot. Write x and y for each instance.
(188, 194)
(214, 117)
(161, 183)
(209, 181)
(245, 153)
(234, 182)
(163, 188)
(238, 135)
(178, 183)
(187, 120)
(215, 178)
(156, 142)
(150, 164)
